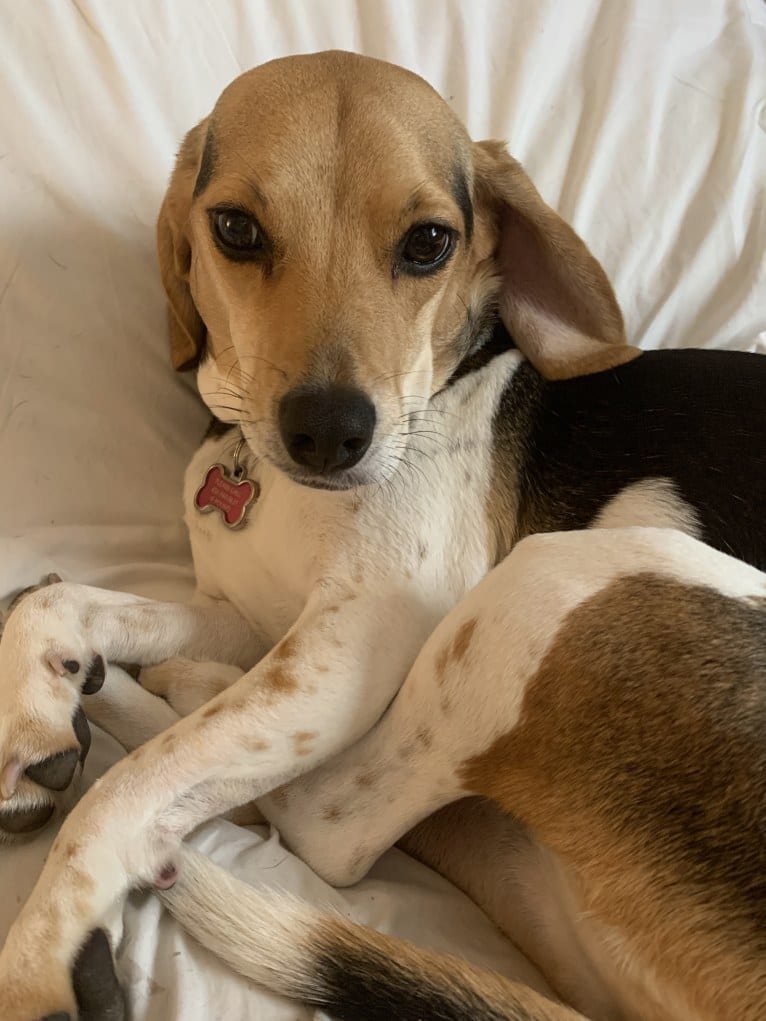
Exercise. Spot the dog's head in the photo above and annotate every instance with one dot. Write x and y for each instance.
(333, 245)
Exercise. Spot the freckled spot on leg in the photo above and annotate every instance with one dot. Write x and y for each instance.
(302, 741)
(280, 681)
(286, 649)
(168, 741)
(332, 813)
(70, 851)
(463, 639)
(425, 737)
(255, 744)
(368, 778)
(442, 661)
(445, 704)
(422, 551)
(322, 668)
(333, 609)
(213, 710)
(336, 642)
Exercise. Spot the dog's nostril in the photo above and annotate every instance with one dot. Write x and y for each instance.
(302, 444)
(356, 443)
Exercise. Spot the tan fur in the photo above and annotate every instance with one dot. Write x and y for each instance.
(622, 718)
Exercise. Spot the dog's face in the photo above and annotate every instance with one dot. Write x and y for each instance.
(333, 245)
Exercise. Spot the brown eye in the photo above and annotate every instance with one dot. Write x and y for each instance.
(236, 231)
(426, 247)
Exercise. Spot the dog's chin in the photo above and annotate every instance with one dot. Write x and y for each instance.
(343, 482)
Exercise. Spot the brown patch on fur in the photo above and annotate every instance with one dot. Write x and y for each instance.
(168, 741)
(322, 668)
(454, 652)
(286, 649)
(302, 740)
(213, 710)
(640, 758)
(368, 778)
(255, 744)
(280, 681)
(333, 813)
(463, 639)
(424, 737)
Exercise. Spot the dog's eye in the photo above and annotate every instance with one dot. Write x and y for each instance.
(237, 230)
(425, 247)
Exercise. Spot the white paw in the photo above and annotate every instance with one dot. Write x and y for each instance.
(44, 735)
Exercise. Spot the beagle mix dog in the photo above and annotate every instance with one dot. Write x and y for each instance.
(502, 600)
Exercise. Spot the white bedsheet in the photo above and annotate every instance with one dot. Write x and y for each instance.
(644, 122)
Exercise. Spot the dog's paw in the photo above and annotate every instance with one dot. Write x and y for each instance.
(44, 734)
(91, 992)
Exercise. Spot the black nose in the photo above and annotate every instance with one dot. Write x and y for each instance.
(326, 430)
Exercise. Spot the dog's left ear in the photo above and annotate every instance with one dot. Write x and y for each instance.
(555, 299)
(186, 328)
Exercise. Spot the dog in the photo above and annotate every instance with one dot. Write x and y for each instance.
(454, 539)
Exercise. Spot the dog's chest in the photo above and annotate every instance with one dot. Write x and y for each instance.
(425, 530)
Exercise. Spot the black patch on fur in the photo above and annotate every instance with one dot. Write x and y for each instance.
(28, 820)
(462, 196)
(94, 679)
(207, 165)
(696, 417)
(82, 732)
(98, 993)
(489, 339)
(56, 772)
(361, 984)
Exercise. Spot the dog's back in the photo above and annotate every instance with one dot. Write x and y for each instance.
(671, 438)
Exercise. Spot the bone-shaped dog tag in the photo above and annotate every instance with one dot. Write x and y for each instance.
(229, 495)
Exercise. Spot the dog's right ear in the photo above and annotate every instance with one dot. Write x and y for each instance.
(555, 299)
(187, 331)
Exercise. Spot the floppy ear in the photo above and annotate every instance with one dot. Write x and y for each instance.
(187, 331)
(555, 298)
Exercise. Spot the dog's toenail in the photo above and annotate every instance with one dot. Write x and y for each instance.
(94, 678)
(27, 821)
(81, 729)
(56, 772)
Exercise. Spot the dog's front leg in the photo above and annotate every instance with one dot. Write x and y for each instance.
(318, 690)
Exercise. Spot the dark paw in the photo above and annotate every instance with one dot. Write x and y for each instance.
(94, 678)
(98, 993)
(54, 774)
